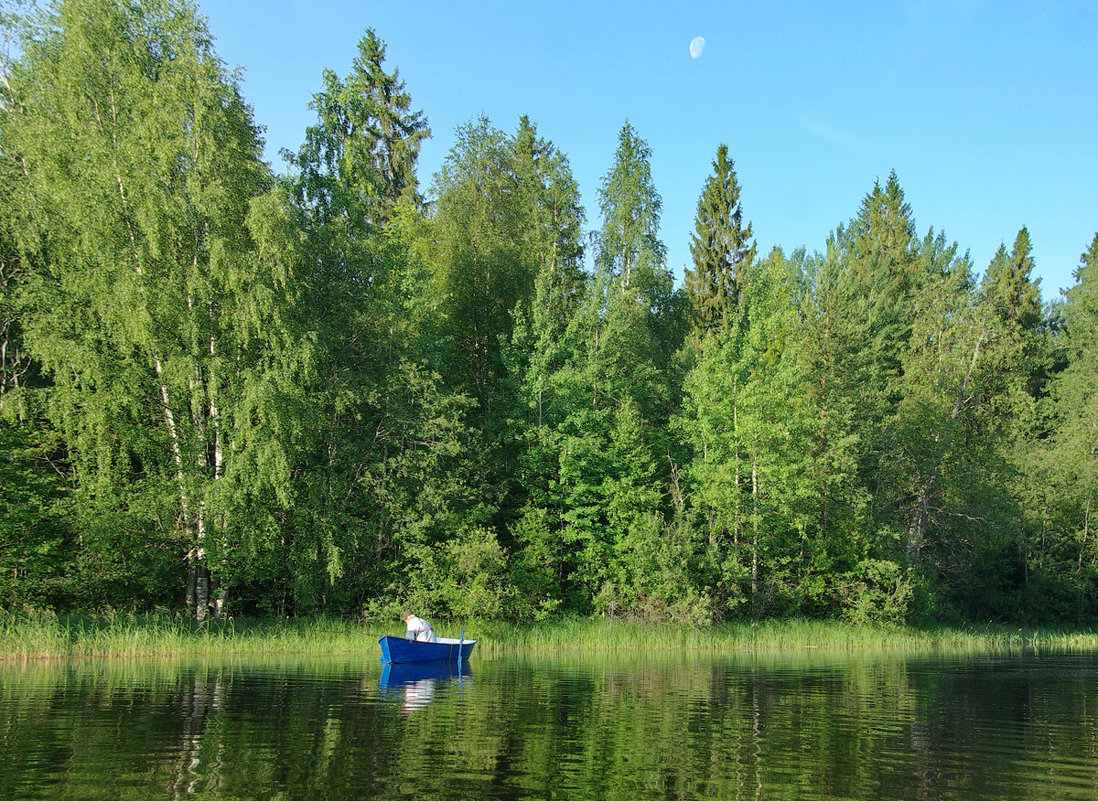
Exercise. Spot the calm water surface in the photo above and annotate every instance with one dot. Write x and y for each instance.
(807, 726)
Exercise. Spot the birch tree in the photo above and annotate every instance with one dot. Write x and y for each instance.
(163, 315)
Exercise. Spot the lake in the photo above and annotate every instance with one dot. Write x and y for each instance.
(807, 725)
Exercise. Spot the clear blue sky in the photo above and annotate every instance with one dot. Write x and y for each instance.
(987, 110)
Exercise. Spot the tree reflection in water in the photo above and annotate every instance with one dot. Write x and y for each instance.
(752, 726)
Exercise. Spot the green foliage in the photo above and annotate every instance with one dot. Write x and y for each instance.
(35, 543)
(1060, 460)
(329, 396)
(464, 577)
(719, 247)
(879, 593)
(629, 244)
(164, 326)
(482, 267)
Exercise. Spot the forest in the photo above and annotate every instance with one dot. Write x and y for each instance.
(330, 389)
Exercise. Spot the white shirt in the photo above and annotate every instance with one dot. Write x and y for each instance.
(420, 630)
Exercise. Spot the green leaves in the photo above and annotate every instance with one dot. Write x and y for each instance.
(321, 391)
(168, 334)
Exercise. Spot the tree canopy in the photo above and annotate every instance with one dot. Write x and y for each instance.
(327, 390)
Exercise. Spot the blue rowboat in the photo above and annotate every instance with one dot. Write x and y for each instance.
(443, 649)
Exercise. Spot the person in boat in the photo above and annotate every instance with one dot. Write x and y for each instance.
(419, 629)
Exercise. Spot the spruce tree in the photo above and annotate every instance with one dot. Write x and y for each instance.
(366, 142)
(720, 246)
(1008, 287)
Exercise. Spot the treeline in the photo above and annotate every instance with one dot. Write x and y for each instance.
(328, 390)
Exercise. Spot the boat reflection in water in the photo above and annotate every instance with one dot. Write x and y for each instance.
(416, 683)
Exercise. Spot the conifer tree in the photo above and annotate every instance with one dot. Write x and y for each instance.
(879, 283)
(365, 143)
(540, 345)
(965, 401)
(1008, 288)
(395, 131)
(879, 242)
(720, 246)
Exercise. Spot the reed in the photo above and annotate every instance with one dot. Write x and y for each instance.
(593, 635)
(46, 635)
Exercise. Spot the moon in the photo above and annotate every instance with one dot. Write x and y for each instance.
(697, 46)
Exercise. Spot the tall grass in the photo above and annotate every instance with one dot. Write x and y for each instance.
(592, 635)
(45, 635)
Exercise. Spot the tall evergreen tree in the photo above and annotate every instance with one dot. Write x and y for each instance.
(366, 142)
(540, 345)
(720, 246)
(380, 482)
(880, 241)
(879, 283)
(1012, 300)
(1008, 286)
(621, 335)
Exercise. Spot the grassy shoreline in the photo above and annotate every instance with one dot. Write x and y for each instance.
(49, 636)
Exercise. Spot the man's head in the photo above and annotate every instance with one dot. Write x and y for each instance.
(405, 615)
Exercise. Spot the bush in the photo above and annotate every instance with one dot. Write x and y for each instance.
(465, 577)
(879, 591)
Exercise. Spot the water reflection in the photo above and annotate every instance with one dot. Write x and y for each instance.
(204, 697)
(416, 684)
(744, 727)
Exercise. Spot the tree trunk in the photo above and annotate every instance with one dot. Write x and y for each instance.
(202, 595)
(192, 579)
(755, 525)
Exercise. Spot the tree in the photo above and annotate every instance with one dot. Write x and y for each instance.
(163, 308)
(359, 159)
(630, 249)
(879, 243)
(639, 314)
(721, 247)
(385, 479)
(1076, 402)
(1062, 463)
(482, 268)
(748, 422)
(832, 367)
(540, 345)
(506, 252)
